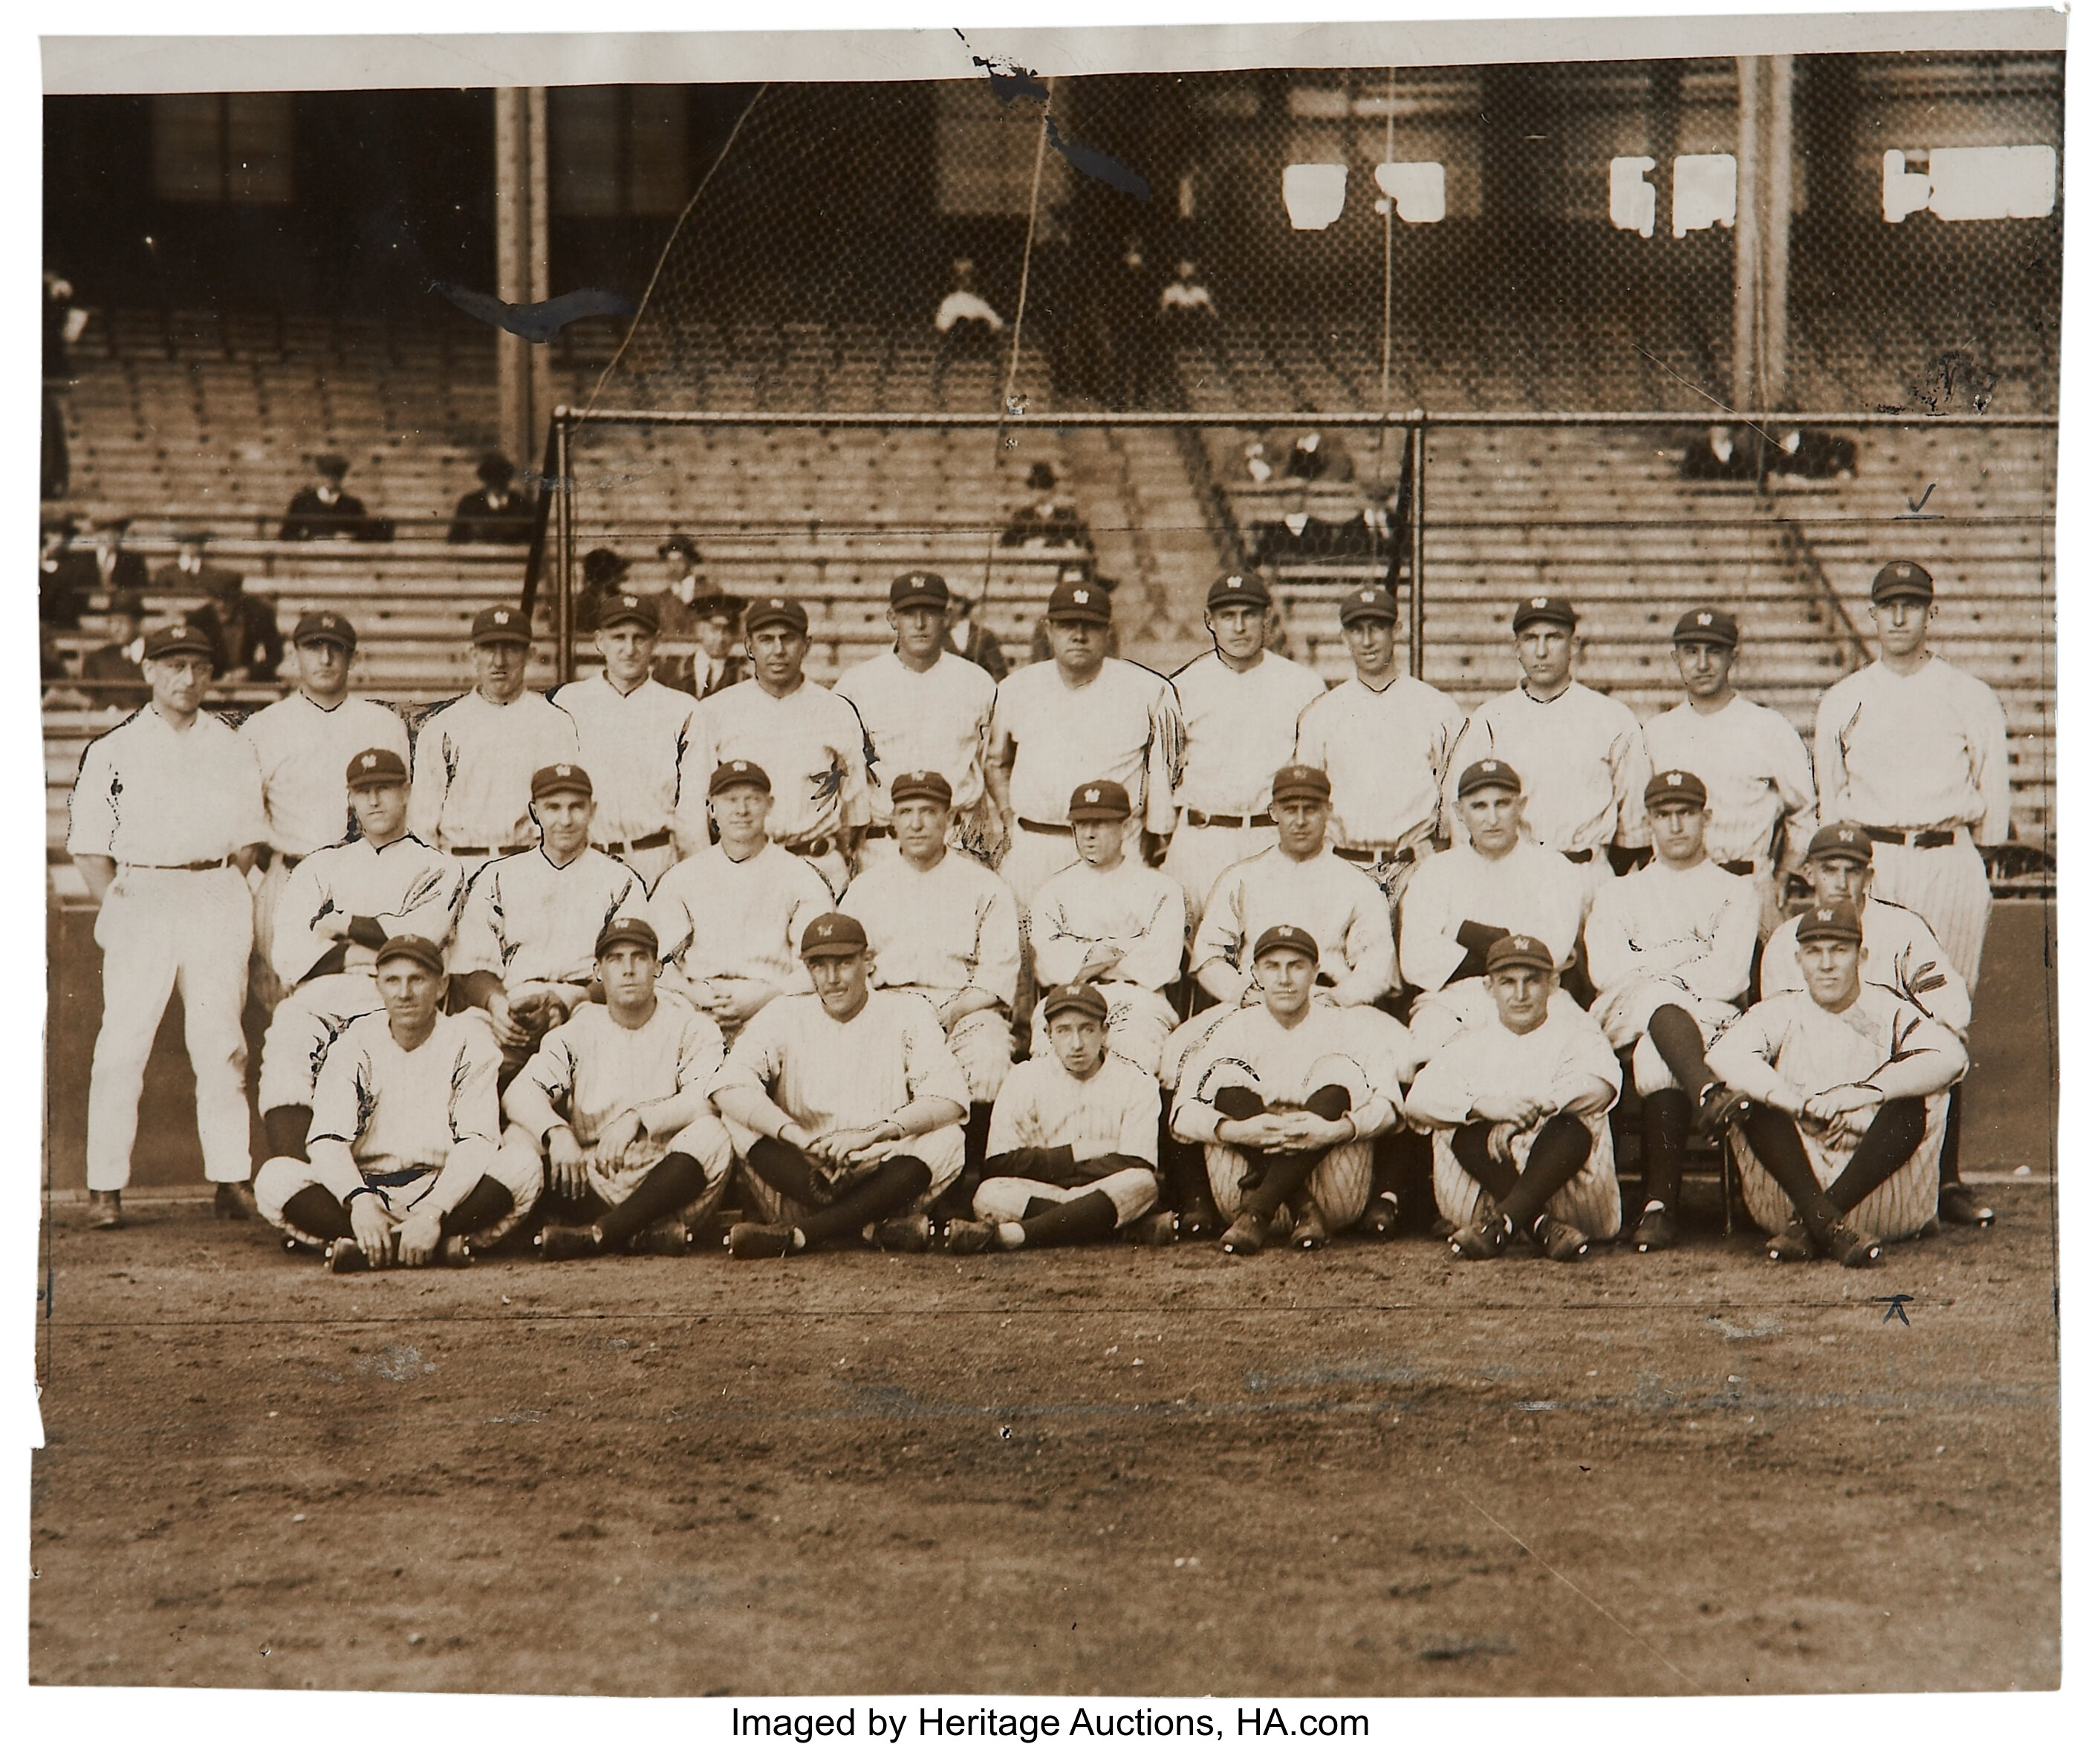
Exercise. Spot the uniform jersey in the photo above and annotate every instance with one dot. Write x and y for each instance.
(1902, 955)
(379, 1108)
(939, 719)
(301, 750)
(474, 763)
(1581, 756)
(1343, 910)
(527, 920)
(406, 887)
(1787, 1048)
(1284, 1065)
(591, 1068)
(741, 920)
(1385, 752)
(950, 927)
(1759, 786)
(1140, 912)
(1042, 1107)
(1922, 752)
(635, 748)
(1123, 725)
(1694, 928)
(1565, 1062)
(1530, 890)
(1238, 729)
(810, 743)
(828, 1076)
(149, 795)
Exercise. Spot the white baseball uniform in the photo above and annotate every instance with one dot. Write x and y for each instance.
(939, 719)
(635, 747)
(1785, 1050)
(1919, 753)
(1583, 763)
(1901, 954)
(161, 803)
(472, 796)
(529, 921)
(1664, 935)
(1239, 730)
(1530, 890)
(1386, 753)
(1130, 908)
(723, 920)
(406, 887)
(1565, 1063)
(1115, 1113)
(1759, 786)
(940, 931)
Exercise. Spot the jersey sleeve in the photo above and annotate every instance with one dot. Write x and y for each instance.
(471, 1110)
(1153, 958)
(435, 761)
(1442, 1092)
(996, 968)
(1989, 766)
(1429, 949)
(543, 1085)
(1630, 774)
(1834, 715)
(1138, 1135)
(343, 1101)
(1722, 971)
(856, 754)
(1924, 1057)
(479, 947)
(1926, 977)
(1794, 782)
(430, 908)
(930, 1066)
(1059, 951)
(294, 946)
(1164, 752)
(673, 921)
(1743, 1053)
(91, 808)
(1014, 1124)
(1367, 947)
(1607, 938)
(1587, 1079)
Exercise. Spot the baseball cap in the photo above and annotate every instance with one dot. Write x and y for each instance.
(561, 777)
(1081, 601)
(1841, 841)
(922, 784)
(1285, 938)
(1370, 602)
(1547, 608)
(1705, 625)
(1075, 996)
(628, 929)
(776, 609)
(1299, 780)
(1489, 772)
(1238, 590)
(500, 624)
(1098, 799)
(177, 638)
(1519, 948)
(833, 936)
(629, 608)
(325, 626)
(1674, 787)
(737, 772)
(1902, 580)
(1840, 920)
(919, 586)
(377, 768)
(413, 946)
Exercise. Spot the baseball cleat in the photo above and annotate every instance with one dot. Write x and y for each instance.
(1719, 1109)
(231, 1203)
(1561, 1241)
(910, 1235)
(1958, 1204)
(570, 1241)
(1245, 1235)
(761, 1241)
(457, 1251)
(1197, 1222)
(1850, 1248)
(105, 1210)
(1791, 1245)
(1381, 1217)
(345, 1255)
(668, 1240)
(1484, 1239)
(1657, 1229)
(970, 1235)
(1155, 1229)
(1311, 1229)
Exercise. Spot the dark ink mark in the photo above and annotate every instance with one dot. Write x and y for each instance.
(1009, 78)
(1895, 1308)
(1099, 165)
(1887, 411)
(535, 322)
(1917, 506)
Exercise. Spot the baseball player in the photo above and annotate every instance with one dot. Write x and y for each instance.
(403, 1168)
(1671, 947)
(528, 930)
(944, 924)
(1493, 880)
(1759, 786)
(1900, 953)
(1074, 1142)
(1283, 1109)
(472, 795)
(300, 742)
(1839, 1153)
(1518, 1107)
(1079, 717)
(1581, 750)
(616, 1101)
(166, 818)
(637, 734)
(1384, 740)
(1113, 923)
(924, 707)
(846, 1105)
(809, 742)
(339, 907)
(1239, 705)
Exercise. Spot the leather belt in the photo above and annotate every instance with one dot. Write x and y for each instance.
(1029, 823)
(640, 844)
(477, 853)
(187, 866)
(814, 848)
(1381, 856)
(1578, 856)
(1908, 838)
(1740, 867)
(1224, 821)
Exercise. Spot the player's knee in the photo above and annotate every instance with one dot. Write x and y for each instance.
(1132, 1192)
(275, 1182)
(707, 1142)
(1003, 1199)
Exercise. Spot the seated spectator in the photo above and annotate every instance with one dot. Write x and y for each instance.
(111, 674)
(1045, 522)
(327, 511)
(964, 318)
(1310, 457)
(247, 644)
(605, 574)
(972, 640)
(66, 574)
(497, 514)
(1803, 453)
(1725, 454)
(190, 573)
(1185, 306)
(684, 584)
(718, 619)
(1257, 466)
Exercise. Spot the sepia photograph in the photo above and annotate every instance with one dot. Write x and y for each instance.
(1052, 862)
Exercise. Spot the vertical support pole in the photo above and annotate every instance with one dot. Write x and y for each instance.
(1778, 219)
(1419, 446)
(563, 485)
(1743, 383)
(537, 284)
(524, 372)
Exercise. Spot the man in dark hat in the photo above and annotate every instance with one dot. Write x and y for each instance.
(497, 513)
(325, 510)
(111, 674)
(1044, 522)
(243, 628)
(687, 610)
(971, 638)
(605, 574)
(66, 574)
(192, 572)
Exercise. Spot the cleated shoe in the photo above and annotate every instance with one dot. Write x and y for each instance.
(668, 1240)
(1483, 1238)
(570, 1241)
(457, 1251)
(1311, 1229)
(1719, 1109)
(105, 1210)
(1198, 1221)
(1245, 1233)
(1381, 1217)
(761, 1241)
(970, 1235)
(1561, 1241)
(1155, 1229)
(908, 1235)
(1850, 1248)
(1959, 1204)
(231, 1202)
(344, 1255)
(1656, 1230)
(1791, 1246)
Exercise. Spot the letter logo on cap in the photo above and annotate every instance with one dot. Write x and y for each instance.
(1491, 766)
(739, 765)
(501, 616)
(1538, 600)
(1093, 795)
(1826, 914)
(1674, 779)
(1705, 616)
(562, 769)
(775, 600)
(368, 761)
(1080, 596)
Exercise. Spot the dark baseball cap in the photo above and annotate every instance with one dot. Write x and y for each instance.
(920, 586)
(1085, 602)
(630, 930)
(1706, 625)
(1238, 590)
(377, 768)
(1674, 787)
(1300, 781)
(775, 610)
(1287, 938)
(833, 936)
(1902, 580)
(172, 639)
(326, 626)
(1098, 800)
(922, 784)
(1840, 921)
(1489, 772)
(1518, 949)
(737, 772)
(1369, 602)
(413, 946)
(1841, 841)
(629, 608)
(1546, 608)
(1082, 997)
(561, 777)
(501, 623)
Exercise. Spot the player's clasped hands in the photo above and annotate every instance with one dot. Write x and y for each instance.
(416, 1241)
(623, 1129)
(369, 1225)
(565, 1163)
(1849, 1107)
(1512, 1108)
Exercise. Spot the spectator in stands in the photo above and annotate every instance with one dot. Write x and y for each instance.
(1726, 453)
(1804, 453)
(1257, 466)
(247, 647)
(1131, 309)
(605, 574)
(65, 574)
(1185, 307)
(718, 617)
(964, 319)
(1312, 458)
(497, 513)
(63, 324)
(326, 510)
(1044, 522)
(680, 555)
(190, 573)
(112, 674)
(972, 640)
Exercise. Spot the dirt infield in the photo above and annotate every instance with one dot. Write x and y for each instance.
(1373, 1471)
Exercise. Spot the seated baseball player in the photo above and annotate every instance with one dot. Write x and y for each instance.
(1113, 923)
(730, 917)
(528, 931)
(1900, 953)
(1282, 1108)
(1517, 1106)
(942, 924)
(616, 1100)
(1495, 883)
(403, 1167)
(845, 1105)
(1669, 950)
(1841, 1152)
(338, 907)
(1074, 1142)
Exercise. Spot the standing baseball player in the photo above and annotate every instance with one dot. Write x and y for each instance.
(1671, 947)
(1839, 1153)
(1113, 923)
(300, 743)
(1074, 1142)
(616, 1101)
(1518, 1106)
(637, 734)
(1284, 1110)
(810, 742)
(1078, 717)
(1913, 751)
(404, 1168)
(1239, 705)
(528, 930)
(1759, 786)
(166, 819)
(1384, 740)
(472, 796)
(339, 907)
(731, 919)
(847, 1104)
(924, 707)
